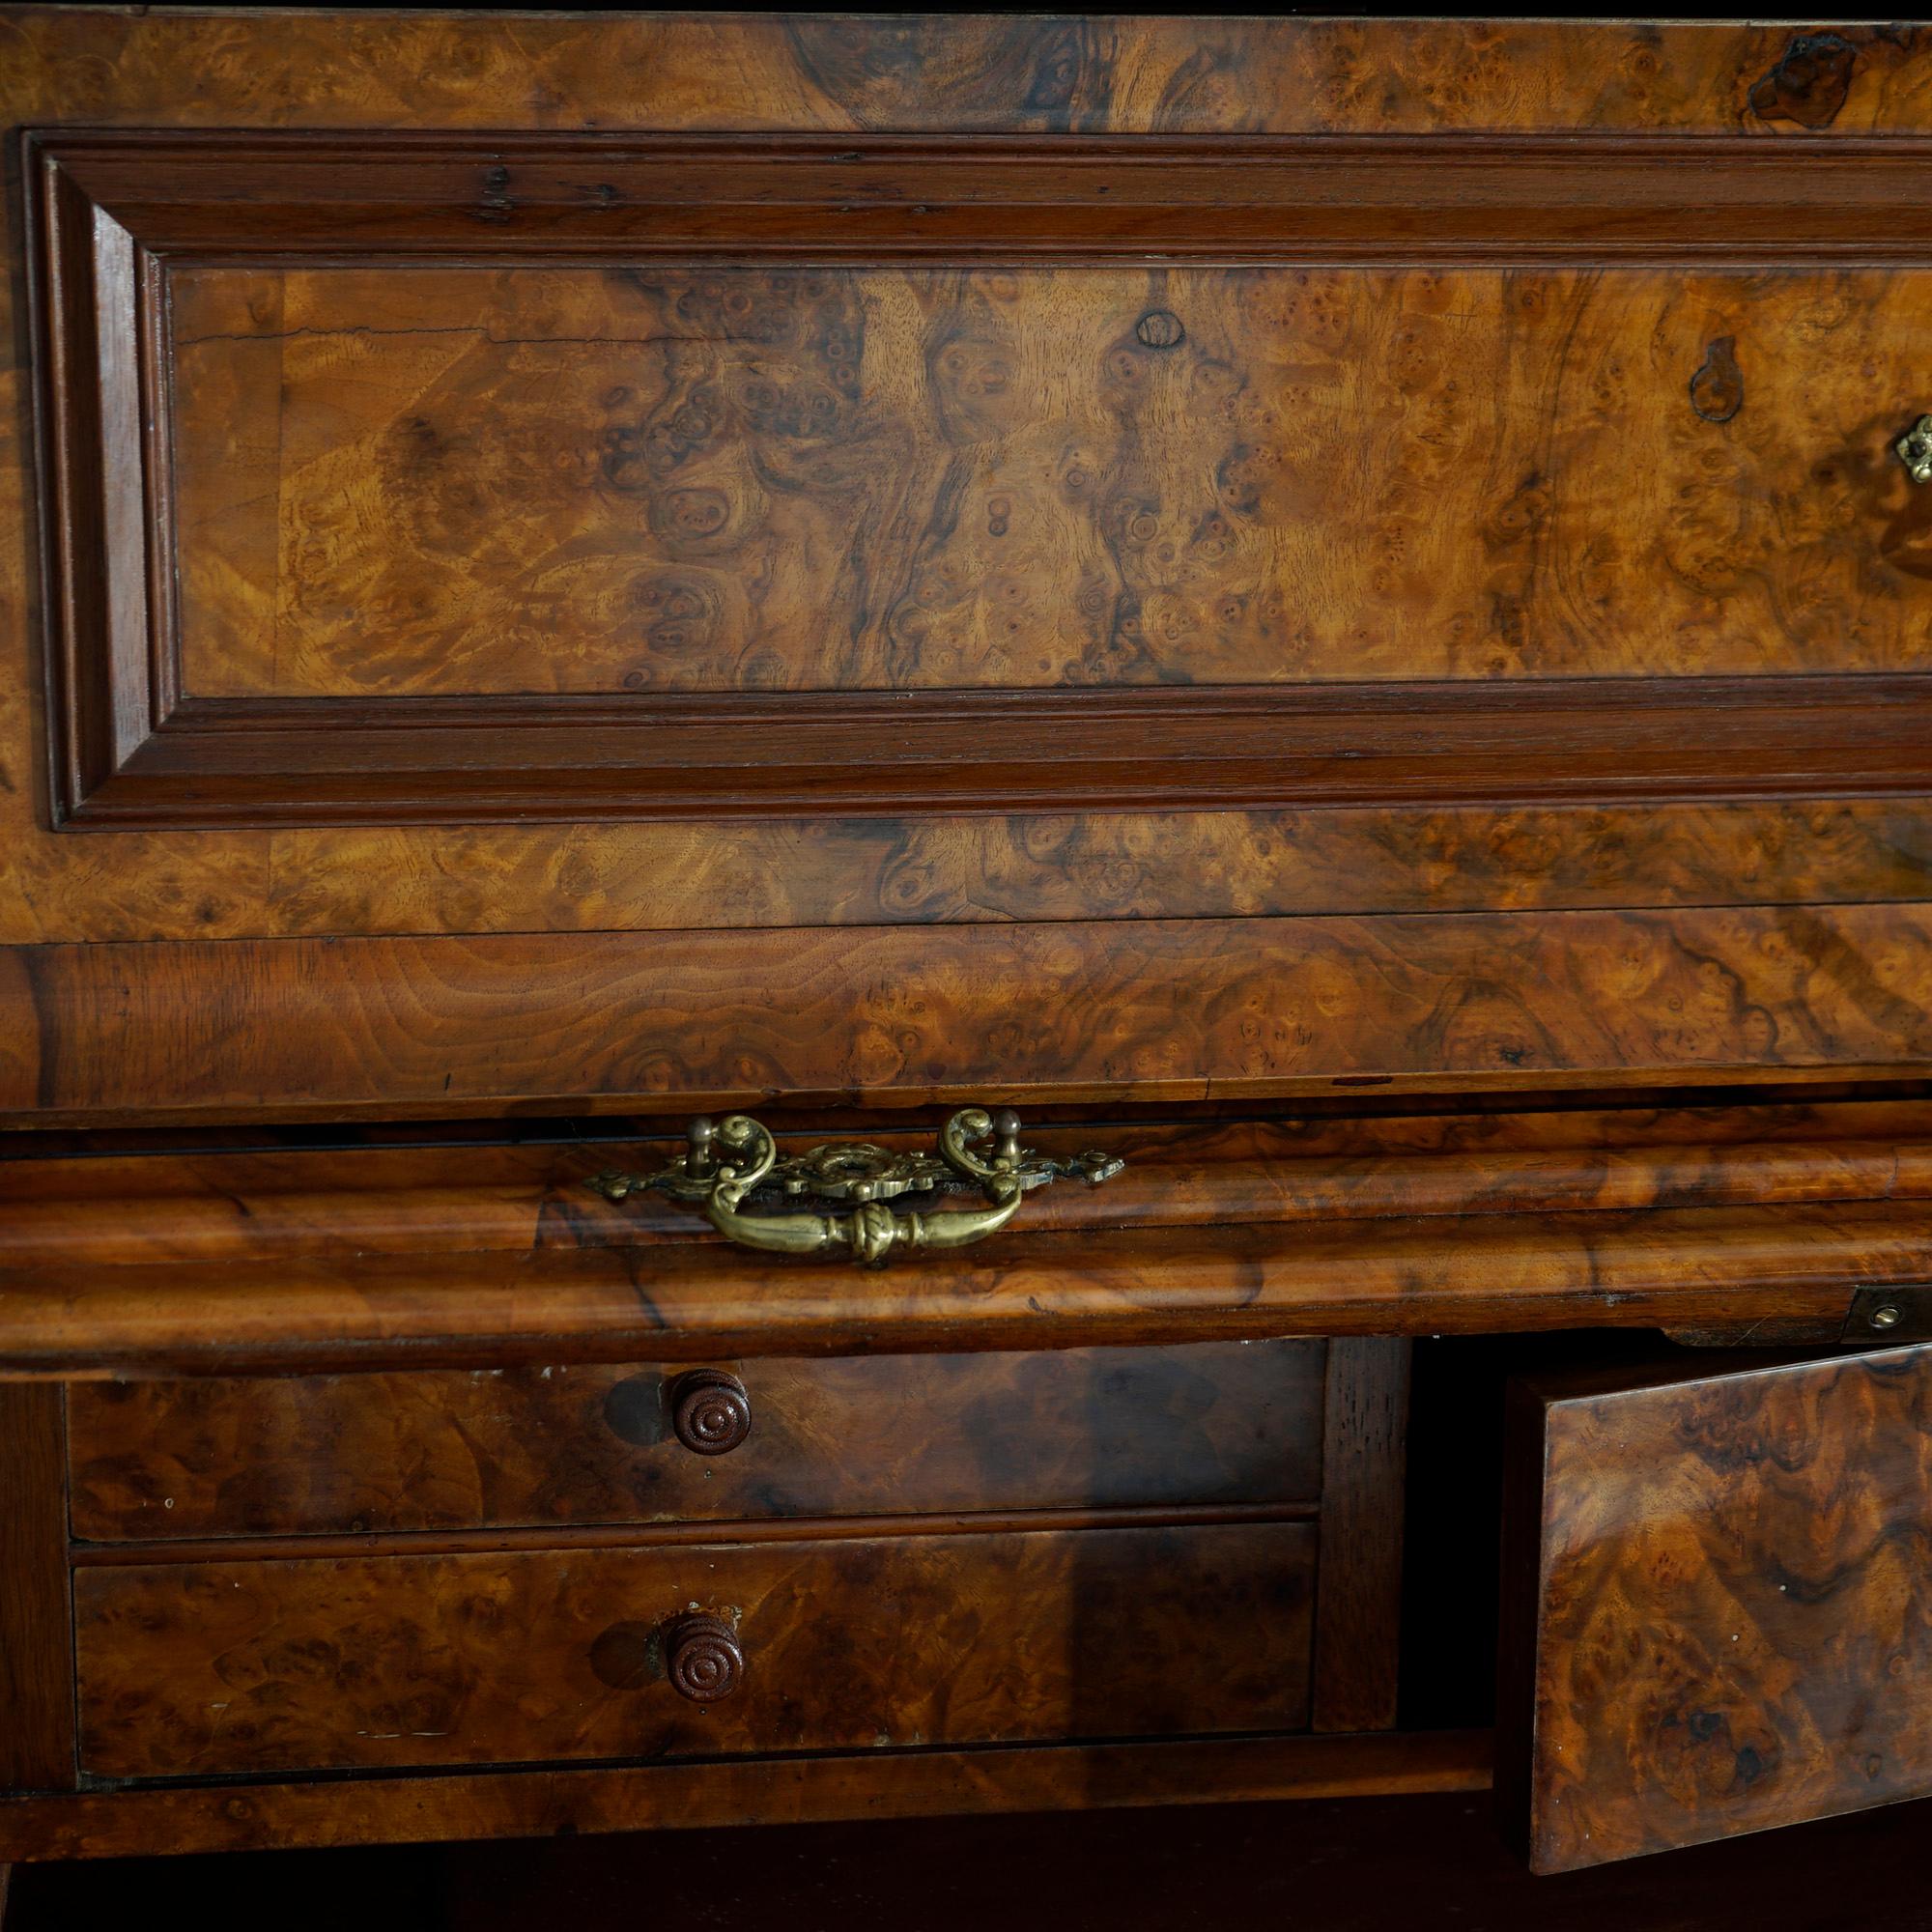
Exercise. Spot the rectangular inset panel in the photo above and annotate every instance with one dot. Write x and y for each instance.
(406, 481)
(582, 477)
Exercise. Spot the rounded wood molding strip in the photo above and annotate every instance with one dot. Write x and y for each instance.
(1784, 1273)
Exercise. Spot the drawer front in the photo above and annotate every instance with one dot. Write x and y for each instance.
(195, 1669)
(1164, 576)
(1092, 1428)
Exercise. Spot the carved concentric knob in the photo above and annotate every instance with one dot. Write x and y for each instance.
(710, 1411)
(702, 1659)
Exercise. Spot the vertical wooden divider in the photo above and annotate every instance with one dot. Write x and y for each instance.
(1358, 1605)
(37, 1728)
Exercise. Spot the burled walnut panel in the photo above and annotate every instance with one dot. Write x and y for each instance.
(409, 481)
(1793, 93)
(1733, 1620)
(968, 73)
(653, 876)
(904, 1015)
(1084, 1429)
(559, 1655)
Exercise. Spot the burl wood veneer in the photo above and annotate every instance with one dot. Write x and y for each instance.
(636, 565)
(1718, 1600)
(511, 502)
(1168, 1010)
(402, 1659)
(725, 480)
(1183, 492)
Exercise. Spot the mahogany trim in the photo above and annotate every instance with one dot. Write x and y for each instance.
(37, 1711)
(916, 197)
(130, 747)
(1358, 1579)
(678, 755)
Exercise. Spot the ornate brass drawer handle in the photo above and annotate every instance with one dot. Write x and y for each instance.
(724, 1165)
(1914, 450)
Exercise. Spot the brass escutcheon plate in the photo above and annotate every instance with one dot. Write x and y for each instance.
(1914, 450)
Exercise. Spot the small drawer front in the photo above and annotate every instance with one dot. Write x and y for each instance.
(197, 1669)
(1090, 1427)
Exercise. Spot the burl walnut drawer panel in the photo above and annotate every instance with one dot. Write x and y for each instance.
(1717, 1600)
(1095, 560)
(190, 1669)
(1090, 1428)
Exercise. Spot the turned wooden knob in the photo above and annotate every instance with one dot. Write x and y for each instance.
(702, 1659)
(710, 1411)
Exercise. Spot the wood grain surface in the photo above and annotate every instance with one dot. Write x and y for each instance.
(1086, 1429)
(848, 1644)
(1771, 1275)
(1723, 1594)
(654, 876)
(1168, 1010)
(184, 1200)
(1454, 625)
(737, 1791)
(36, 1737)
(1723, 1215)
(1358, 1602)
(969, 74)
(1161, 78)
(827, 465)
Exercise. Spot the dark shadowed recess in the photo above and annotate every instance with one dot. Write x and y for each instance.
(1354, 1866)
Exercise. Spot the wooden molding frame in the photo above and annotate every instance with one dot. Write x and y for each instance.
(1783, 1275)
(113, 212)
(232, 1253)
